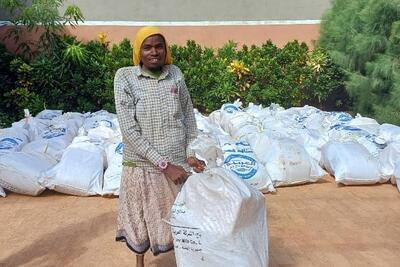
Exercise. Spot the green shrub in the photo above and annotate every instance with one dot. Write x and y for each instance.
(7, 78)
(74, 76)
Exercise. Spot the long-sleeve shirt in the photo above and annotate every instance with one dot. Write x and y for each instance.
(155, 115)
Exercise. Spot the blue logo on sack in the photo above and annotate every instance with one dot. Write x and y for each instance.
(120, 148)
(341, 127)
(9, 143)
(54, 133)
(342, 116)
(374, 139)
(230, 108)
(243, 166)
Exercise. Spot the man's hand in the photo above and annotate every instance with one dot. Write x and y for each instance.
(196, 164)
(176, 173)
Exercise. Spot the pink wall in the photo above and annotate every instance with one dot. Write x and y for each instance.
(209, 36)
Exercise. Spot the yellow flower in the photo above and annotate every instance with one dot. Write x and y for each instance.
(102, 37)
(317, 61)
(238, 68)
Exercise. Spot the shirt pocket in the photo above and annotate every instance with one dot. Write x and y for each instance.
(173, 100)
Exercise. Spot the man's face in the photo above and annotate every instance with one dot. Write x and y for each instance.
(153, 52)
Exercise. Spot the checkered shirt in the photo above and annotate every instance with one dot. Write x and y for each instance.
(155, 115)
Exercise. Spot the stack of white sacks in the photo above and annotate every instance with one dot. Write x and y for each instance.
(297, 145)
(81, 154)
(66, 152)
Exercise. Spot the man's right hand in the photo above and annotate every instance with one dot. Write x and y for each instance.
(176, 173)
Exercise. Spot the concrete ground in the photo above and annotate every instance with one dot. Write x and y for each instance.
(319, 224)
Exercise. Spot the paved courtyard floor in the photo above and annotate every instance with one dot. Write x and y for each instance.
(319, 224)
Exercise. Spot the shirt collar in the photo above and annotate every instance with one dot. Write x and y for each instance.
(164, 72)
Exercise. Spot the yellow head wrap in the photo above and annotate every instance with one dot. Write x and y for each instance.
(141, 35)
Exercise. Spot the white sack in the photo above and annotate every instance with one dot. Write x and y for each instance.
(312, 141)
(105, 133)
(47, 148)
(51, 143)
(239, 158)
(20, 171)
(80, 171)
(346, 133)
(396, 175)
(298, 115)
(2, 193)
(100, 118)
(71, 124)
(286, 161)
(313, 121)
(242, 131)
(101, 144)
(48, 114)
(275, 127)
(228, 110)
(389, 132)
(79, 118)
(367, 124)
(204, 125)
(62, 136)
(215, 117)
(373, 143)
(112, 175)
(219, 220)
(350, 163)
(241, 124)
(12, 139)
(237, 122)
(388, 158)
(34, 126)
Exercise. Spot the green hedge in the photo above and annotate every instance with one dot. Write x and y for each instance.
(76, 76)
(290, 76)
